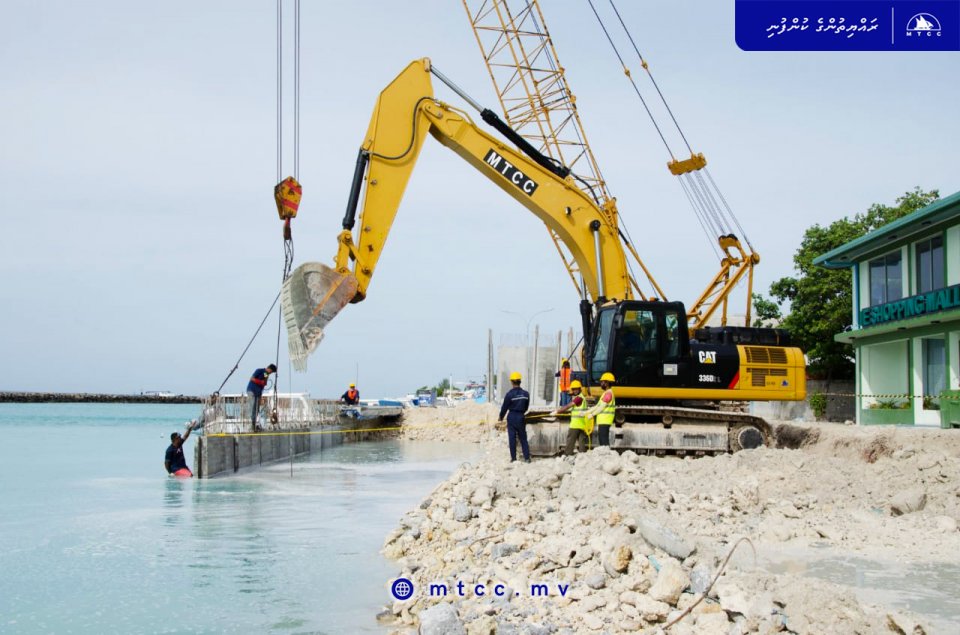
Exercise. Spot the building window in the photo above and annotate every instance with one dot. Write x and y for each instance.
(886, 281)
(934, 372)
(930, 264)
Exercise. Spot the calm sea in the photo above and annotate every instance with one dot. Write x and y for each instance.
(97, 539)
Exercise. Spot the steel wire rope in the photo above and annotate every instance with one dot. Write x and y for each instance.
(632, 83)
(247, 347)
(724, 218)
(666, 105)
(700, 219)
(643, 62)
(729, 210)
(288, 252)
(716, 188)
(712, 202)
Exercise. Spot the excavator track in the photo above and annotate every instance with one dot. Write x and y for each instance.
(661, 430)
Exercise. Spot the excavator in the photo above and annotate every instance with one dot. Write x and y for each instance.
(668, 380)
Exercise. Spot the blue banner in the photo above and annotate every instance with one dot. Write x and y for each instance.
(848, 25)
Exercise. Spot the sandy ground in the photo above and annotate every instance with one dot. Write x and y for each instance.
(848, 530)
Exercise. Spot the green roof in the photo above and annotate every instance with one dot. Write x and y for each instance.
(918, 222)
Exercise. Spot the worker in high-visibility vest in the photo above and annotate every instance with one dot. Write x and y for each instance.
(606, 408)
(577, 433)
(564, 375)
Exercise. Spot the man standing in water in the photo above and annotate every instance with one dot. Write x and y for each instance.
(175, 463)
(515, 404)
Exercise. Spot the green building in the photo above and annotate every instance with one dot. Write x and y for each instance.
(906, 313)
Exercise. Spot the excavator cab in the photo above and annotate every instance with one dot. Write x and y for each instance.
(641, 343)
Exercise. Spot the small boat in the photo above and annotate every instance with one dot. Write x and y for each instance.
(373, 409)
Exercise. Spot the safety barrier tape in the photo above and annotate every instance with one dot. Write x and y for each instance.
(886, 396)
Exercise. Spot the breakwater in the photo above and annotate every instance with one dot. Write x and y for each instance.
(86, 397)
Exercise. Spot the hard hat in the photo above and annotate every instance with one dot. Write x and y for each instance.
(353, 385)
(515, 376)
(608, 377)
(575, 384)
(564, 361)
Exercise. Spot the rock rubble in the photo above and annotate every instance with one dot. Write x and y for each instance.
(608, 542)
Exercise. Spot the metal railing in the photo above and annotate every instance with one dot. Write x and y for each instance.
(230, 414)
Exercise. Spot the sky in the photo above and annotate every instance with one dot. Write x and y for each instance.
(139, 242)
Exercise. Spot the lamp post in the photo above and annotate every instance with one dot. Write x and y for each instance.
(526, 343)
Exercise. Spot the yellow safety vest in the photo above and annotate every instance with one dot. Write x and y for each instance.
(577, 420)
(605, 417)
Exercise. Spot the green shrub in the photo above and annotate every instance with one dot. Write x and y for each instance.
(818, 402)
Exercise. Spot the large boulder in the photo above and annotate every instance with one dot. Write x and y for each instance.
(441, 619)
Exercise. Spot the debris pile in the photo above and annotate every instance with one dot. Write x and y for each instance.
(612, 542)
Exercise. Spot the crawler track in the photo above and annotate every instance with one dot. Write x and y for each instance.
(664, 430)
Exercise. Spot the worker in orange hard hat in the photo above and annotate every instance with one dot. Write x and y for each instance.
(564, 375)
(352, 396)
(515, 404)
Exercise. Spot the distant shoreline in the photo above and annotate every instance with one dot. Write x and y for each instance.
(85, 397)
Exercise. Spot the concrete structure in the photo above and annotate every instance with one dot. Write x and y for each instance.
(293, 425)
(224, 454)
(906, 314)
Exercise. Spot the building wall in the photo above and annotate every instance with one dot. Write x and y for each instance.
(893, 363)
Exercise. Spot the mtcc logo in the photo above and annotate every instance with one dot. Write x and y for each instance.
(402, 589)
(923, 25)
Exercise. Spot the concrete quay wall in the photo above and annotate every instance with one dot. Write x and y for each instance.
(221, 455)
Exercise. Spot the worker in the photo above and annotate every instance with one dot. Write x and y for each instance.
(577, 433)
(174, 462)
(515, 404)
(605, 409)
(564, 375)
(352, 396)
(258, 381)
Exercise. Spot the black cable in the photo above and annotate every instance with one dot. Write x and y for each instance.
(633, 83)
(413, 135)
(257, 332)
(650, 75)
(279, 90)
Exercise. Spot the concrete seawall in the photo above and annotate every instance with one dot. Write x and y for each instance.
(225, 454)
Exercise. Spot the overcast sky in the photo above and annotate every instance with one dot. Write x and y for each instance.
(140, 247)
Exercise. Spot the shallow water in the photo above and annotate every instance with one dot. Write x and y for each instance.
(927, 589)
(99, 540)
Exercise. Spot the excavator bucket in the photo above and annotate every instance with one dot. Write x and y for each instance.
(310, 298)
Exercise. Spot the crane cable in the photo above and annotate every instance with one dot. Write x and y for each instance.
(287, 184)
(710, 206)
(703, 185)
(598, 199)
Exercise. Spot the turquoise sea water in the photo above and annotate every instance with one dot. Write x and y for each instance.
(97, 539)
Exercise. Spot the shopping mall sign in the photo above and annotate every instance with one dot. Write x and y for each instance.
(914, 306)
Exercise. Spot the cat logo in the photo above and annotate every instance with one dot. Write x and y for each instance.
(708, 357)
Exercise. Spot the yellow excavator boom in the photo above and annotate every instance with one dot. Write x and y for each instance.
(405, 112)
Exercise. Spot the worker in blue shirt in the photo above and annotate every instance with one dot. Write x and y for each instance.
(258, 381)
(515, 403)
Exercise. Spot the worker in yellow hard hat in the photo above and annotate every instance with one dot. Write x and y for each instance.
(577, 435)
(606, 408)
(564, 376)
(352, 396)
(515, 404)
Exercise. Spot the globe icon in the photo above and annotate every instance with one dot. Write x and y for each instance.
(401, 588)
